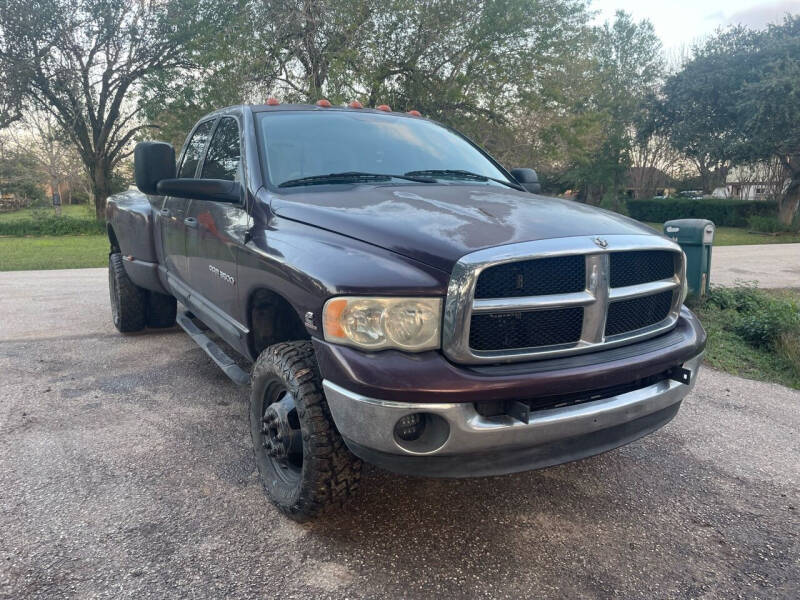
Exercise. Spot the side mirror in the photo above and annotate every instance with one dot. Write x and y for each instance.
(217, 190)
(528, 179)
(152, 162)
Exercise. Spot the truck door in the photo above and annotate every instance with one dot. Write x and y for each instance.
(173, 211)
(216, 229)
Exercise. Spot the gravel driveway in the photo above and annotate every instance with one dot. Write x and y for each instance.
(126, 472)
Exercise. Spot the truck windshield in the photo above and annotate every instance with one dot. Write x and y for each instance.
(303, 147)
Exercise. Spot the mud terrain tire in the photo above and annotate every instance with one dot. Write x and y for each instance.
(128, 300)
(303, 462)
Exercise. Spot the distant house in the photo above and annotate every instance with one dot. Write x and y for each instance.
(751, 182)
(10, 202)
(646, 182)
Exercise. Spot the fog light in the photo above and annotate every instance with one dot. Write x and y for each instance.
(410, 427)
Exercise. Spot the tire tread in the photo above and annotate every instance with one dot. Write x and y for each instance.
(132, 298)
(331, 473)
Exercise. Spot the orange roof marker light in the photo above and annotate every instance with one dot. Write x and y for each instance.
(385, 108)
(323, 103)
(355, 104)
(415, 113)
(272, 102)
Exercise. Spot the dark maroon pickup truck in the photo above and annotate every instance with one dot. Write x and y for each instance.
(405, 299)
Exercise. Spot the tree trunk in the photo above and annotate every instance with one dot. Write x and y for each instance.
(705, 177)
(101, 188)
(719, 178)
(789, 201)
(54, 191)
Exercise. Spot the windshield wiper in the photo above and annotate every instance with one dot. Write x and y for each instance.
(461, 174)
(351, 177)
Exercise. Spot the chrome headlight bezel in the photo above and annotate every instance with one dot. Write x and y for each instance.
(370, 322)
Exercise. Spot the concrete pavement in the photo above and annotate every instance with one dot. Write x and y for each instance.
(126, 472)
(770, 265)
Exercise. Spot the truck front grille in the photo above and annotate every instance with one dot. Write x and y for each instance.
(516, 330)
(555, 297)
(636, 313)
(559, 275)
(633, 268)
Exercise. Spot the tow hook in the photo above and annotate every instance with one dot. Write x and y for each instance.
(681, 375)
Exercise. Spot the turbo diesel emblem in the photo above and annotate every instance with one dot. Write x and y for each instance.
(600, 242)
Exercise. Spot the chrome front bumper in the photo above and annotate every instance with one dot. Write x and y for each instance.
(474, 445)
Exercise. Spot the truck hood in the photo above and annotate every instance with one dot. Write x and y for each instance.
(438, 224)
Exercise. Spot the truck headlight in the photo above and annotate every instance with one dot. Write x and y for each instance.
(410, 324)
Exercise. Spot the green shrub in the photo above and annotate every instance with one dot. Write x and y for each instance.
(761, 319)
(766, 327)
(610, 201)
(771, 225)
(51, 225)
(753, 333)
(789, 347)
(724, 212)
(741, 298)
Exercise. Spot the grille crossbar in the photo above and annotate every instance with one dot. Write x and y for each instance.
(505, 326)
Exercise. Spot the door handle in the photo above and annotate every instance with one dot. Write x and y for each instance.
(165, 212)
(190, 222)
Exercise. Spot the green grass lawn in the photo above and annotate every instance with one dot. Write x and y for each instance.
(76, 211)
(734, 236)
(53, 252)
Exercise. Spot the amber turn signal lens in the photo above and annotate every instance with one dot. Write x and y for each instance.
(332, 317)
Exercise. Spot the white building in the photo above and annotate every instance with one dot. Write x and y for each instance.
(760, 181)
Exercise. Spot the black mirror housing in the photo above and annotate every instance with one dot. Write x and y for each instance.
(152, 162)
(528, 179)
(216, 190)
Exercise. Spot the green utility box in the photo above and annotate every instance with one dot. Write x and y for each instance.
(695, 237)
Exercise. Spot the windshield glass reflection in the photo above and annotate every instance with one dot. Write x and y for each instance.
(308, 144)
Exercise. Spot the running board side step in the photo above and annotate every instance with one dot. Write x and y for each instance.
(238, 375)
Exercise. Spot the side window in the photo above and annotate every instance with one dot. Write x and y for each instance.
(194, 150)
(222, 159)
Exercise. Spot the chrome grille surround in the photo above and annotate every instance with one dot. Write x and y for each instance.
(460, 304)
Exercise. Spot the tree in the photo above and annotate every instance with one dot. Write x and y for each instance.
(221, 72)
(19, 173)
(698, 107)
(40, 138)
(737, 102)
(468, 63)
(768, 107)
(82, 60)
(308, 42)
(495, 69)
(10, 95)
(627, 68)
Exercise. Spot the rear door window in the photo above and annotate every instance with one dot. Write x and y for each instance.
(194, 149)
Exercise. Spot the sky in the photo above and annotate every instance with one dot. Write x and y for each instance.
(681, 22)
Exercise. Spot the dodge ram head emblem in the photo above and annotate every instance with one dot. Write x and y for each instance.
(600, 242)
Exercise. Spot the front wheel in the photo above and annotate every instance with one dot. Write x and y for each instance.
(303, 462)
